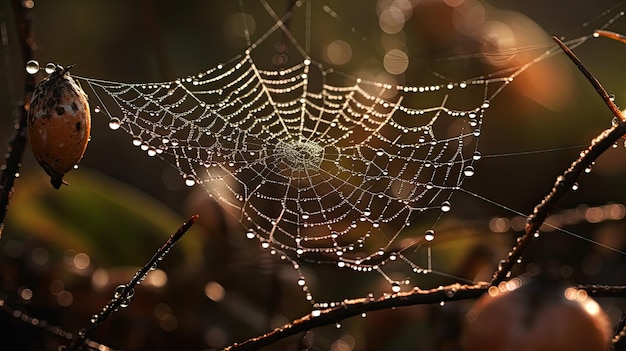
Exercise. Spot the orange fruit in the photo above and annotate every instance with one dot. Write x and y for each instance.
(539, 316)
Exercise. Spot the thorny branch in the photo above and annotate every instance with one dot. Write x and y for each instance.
(19, 139)
(454, 292)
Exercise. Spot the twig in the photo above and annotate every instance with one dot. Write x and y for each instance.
(21, 316)
(124, 293)
(619, 340)
(565, 181)
(19, 139)
(351, 308)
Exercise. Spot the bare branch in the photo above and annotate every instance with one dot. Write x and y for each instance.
(356, 307)
(565, 181)
(351, 308)
(19, 139)
(124, 293)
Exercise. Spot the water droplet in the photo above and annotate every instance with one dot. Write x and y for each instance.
(462, 85)
(50, 68)
(316, 313)
(468, 171)
(301, 281)
(94, 318)
(152, 151)
(575, 186)
(305, 216)
(115, 123)
(429, 185)
(445, 206)
(476, 156)
(125, 303)
(32, 67)
(338, 325)
(119, 291)
(485, 104)
(429, 235)
(364, 314)
(190, 180)
(612, 97)
(442, 303)
(137, 141)
(395, 287)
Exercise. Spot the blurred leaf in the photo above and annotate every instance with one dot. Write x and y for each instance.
(115, 223)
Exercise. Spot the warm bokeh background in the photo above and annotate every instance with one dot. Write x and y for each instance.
(63, 252)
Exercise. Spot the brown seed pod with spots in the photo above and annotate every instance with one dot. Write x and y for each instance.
(59, 123)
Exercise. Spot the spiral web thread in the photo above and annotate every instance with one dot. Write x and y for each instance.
(318, 166)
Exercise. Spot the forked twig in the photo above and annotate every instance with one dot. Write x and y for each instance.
(124, 293)
(565, 181)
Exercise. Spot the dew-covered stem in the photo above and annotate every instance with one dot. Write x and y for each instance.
(356, 307)
(124, 293)
(592, 79)
(568, 179)
(17, 144)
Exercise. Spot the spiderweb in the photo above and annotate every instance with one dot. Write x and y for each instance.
(320, 167)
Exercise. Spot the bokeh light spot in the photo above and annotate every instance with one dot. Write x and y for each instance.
(338, 52)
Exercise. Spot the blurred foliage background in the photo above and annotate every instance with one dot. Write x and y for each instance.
(63, 252)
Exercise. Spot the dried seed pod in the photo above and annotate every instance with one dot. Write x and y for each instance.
(59, 123)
